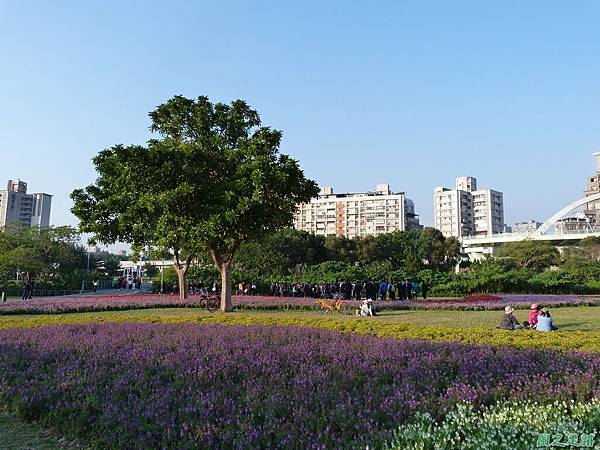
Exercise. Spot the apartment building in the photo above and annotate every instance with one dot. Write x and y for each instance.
(488, 212)
(357, 214)
(19, 207)
(453, 212)
(528, 227)
(467, 210)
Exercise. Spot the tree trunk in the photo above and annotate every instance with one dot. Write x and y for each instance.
(181, 270)
(181, 278)
(226, 303)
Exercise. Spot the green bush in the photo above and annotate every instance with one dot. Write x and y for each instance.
(509, 426)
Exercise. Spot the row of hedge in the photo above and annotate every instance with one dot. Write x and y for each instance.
(561, 340)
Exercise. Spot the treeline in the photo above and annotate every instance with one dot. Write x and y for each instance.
(292, 256)
(53, 258)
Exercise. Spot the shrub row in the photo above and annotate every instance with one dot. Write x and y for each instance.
(521, 425)
(561, 340)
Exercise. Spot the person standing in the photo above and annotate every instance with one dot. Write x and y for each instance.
(408, 290)
(27, 290)
(392, 289)
(424, 289)
(348, 291)
(31, 289)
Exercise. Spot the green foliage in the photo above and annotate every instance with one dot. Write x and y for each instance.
(278, 254)
(106, 263)
(554, 282)
(293, 256)
(506, 426)
(53, 257)
(529, 254)
(340, 248)
(329, 272)
(213, 180)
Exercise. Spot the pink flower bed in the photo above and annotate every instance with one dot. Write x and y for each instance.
(121, 301)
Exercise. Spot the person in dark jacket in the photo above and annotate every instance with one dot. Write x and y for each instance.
(27, 290)
(509, 321)
(402, 290)
(424, 289)
(392, 290)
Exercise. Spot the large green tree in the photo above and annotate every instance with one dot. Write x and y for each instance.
(212, 180)
(279, 254)
(529, 254)
(45, 254)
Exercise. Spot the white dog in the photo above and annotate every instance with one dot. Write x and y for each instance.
(366, 309)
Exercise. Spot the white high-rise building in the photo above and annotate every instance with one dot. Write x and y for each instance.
(357, 214)
(468, 211)
(526, 227)
(488, 212)
(19, 207)
(453, 212)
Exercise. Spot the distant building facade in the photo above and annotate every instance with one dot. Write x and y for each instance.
(587, 219)
(526, 227)
(357, 214)
(19, 207)
(467, 210)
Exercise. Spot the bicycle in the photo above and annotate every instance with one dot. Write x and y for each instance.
(211, 301)
(325, 306)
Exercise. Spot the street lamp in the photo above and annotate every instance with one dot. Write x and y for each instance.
(162, 266)
(88, 270)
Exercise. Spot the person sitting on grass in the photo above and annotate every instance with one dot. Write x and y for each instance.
(366, 309)
(545, 321)
(509, 321)
(534, 313)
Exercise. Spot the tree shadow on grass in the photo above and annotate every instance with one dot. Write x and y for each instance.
(574, 326)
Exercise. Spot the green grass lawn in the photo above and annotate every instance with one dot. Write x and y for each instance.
(18, 435)
(582, 318)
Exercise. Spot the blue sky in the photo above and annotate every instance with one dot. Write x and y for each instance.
(409, 93)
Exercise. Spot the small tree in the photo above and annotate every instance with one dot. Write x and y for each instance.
(213, 180)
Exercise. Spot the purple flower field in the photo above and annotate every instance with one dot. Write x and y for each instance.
(139, 386)
(122, 302)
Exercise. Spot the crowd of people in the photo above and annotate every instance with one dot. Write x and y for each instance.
(123, 282)
(370, 290)
(538, 319)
